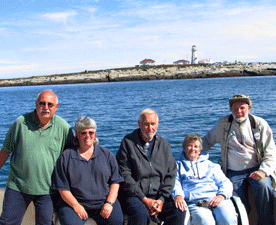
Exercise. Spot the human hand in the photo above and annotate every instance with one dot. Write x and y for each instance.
(157, 207)
(153, 206)
(216, 201)
(180, 203)
(80, 211)
(148, 202)
(106, 210)
(257, 175)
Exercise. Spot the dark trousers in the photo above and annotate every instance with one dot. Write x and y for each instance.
(262, 193)
(15, 205)
(67, 216)
(138, 213)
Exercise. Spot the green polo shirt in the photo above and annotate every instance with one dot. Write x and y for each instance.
(35, 152)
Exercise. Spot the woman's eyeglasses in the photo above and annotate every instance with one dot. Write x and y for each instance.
(90, 133)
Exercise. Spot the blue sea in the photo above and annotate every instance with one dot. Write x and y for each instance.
(183, 106)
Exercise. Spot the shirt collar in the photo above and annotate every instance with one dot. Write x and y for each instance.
(76, 154)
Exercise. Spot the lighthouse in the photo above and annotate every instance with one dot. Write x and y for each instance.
(194, 55)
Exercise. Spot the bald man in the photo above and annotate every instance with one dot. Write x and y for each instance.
(34, 141)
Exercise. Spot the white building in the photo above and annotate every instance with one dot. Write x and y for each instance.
(194, 55)
(205, 61)
(181, 61)
(147, 62)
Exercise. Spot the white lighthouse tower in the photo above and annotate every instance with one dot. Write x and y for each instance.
(194, 55)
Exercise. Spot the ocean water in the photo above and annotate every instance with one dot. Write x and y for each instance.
(183, 106)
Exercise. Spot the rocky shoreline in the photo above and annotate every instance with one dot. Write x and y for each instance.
(159, 72)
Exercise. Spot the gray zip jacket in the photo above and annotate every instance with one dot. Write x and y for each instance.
(266, 150)
(143, 177)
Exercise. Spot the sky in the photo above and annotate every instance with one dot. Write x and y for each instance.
(45, 37)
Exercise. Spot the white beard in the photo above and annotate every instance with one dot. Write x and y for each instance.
(241, 119)
(147, 136)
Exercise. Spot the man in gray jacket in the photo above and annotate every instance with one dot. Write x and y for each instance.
(248, 155)
(149, 170)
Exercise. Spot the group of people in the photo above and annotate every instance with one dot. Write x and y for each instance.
(78, 178)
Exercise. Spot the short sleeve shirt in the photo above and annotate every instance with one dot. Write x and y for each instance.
(35, 152)
(89, 181)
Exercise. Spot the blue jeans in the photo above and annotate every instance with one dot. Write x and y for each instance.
(262, 193)
(67, 216)
(15, 205)
(223, 214)
(138, 213)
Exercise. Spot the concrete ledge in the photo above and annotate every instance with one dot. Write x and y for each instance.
(29, 217)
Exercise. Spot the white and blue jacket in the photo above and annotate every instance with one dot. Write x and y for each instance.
(201, 179)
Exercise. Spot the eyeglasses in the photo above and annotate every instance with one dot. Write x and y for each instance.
(50, 104)
(90, 133)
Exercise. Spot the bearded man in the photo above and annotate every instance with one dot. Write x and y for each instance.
(248, 155)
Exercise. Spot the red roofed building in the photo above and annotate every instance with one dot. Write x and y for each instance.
(205, 61)
(147, 62)
(181, 61)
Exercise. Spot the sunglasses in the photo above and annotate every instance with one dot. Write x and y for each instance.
(50, 104)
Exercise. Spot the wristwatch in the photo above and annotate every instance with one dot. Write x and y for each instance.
(110, 203)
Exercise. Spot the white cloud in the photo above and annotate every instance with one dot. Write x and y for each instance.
(16, 70)
(59, 16)
(4, 62)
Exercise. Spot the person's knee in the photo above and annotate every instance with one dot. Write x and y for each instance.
(181, 215)
(225, 213)
(139, 214)
(138, 219)
(66, 215)
(201, 215)
(230, 219)
(263, 185)
(135, 209)
(116, 221)
(116, 216)
(204, 220)
(14, 207)
(43, 209)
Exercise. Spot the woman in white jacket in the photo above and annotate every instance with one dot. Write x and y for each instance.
(202, 186)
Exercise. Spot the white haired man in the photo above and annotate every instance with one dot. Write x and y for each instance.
(149, 170)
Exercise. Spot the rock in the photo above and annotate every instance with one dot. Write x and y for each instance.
(149, 73)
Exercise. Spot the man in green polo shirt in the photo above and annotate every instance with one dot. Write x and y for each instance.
(34, 141)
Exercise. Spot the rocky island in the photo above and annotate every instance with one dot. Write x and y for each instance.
(157, 72)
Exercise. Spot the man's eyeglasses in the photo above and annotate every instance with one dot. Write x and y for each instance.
(50, 104)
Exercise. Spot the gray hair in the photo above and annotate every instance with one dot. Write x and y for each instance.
(147, 111)
(49, 90)
(82, 123)
(191, 138)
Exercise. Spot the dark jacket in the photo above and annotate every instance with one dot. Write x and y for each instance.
(143, 177)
